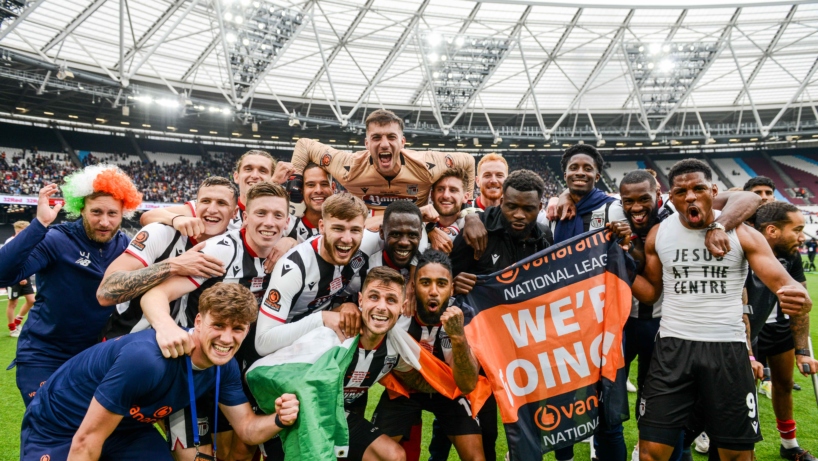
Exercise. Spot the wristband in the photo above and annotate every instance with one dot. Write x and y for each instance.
(174, 218)
(804, 352)
(752, 358)
(278, 422)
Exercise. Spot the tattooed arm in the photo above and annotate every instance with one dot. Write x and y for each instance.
(124, 280)
(415, 380)
(799, 324)
(465, 367)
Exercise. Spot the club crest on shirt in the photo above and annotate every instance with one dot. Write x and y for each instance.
(204, 426)
(597, 219)
(412, 189)
(138, 242)
(388, 363)
(357, 262)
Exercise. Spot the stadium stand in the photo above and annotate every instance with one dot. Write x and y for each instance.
(618, 169)
(731, 167)
(164, 158)
(760, 166)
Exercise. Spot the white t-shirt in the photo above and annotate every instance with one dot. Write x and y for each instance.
(702, 293)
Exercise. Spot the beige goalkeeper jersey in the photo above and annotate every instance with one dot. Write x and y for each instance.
(357, 173)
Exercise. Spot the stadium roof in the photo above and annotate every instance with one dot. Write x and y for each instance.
(652, 60)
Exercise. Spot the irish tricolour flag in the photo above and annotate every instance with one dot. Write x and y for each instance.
(312, 368)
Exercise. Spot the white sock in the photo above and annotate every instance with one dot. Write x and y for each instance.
(789, 443)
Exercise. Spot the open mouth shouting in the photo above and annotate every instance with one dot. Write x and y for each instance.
(433, 306)
(385, 160)
(694, 216)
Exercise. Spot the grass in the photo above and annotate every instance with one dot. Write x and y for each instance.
(11, 408)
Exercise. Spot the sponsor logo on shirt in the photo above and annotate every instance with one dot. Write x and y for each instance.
(336, 284)
(257, 283)
(494, 258)
(383, 200)
(138, 242)
(84, 259)
(449, 161)
(272, 300)
(136, 413)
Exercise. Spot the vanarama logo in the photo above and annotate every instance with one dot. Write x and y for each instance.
(508, 276)
(547, 418)
(138, 242)
(272, 300)
(593, 240)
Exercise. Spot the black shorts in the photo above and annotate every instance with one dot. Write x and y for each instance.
(17, 290)
(773, 339)
(395, 417)
(712, 380)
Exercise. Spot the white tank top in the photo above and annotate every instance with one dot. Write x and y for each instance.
(702, 293)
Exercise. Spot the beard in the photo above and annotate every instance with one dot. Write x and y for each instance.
(430, 318)
(782, 250)
(89, 231)
(518, 234)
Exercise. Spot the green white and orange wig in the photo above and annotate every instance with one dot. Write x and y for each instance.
(96, 179)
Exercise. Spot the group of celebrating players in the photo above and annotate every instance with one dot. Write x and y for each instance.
(128, 333)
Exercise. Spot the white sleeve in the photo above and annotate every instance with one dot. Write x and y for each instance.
(616, 212)
(221, 247)
(285, 334)
(286, 282)
(150, 242)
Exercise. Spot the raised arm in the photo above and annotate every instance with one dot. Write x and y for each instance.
(307, 150)
(173, 340)
(31, 250)
(648, 286)
(737, 207)
(792, 296)
(465, 367)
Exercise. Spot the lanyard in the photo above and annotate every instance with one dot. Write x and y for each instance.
(192, 392)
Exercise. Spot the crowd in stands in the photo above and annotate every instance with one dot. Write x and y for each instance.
(26, 174)
(170, 183)
(175, 182)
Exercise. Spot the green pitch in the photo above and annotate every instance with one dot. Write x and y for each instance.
(806, 410)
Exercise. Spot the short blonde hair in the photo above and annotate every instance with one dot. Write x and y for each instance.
(492, 157)
(344, 206)
(20, 225)
(257, 152)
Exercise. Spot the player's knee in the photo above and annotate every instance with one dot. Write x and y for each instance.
(782, 385)
(394, 452)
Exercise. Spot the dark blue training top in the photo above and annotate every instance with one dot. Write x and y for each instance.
(128, 376)
(66, 318)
